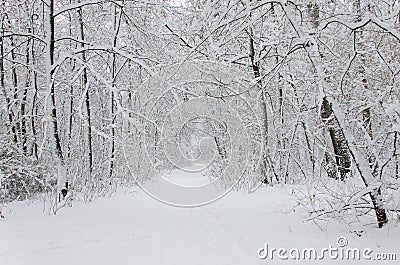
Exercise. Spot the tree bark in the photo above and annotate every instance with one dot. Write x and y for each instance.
(339, 142)
(14, 77)
(2, 80)
(376, 194)
(87, 95)
(24, 98)
(265, 161)
(116, 26)
(34, 98)
(62, 180)
(328, 114)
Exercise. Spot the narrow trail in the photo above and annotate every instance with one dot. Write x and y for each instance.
(132, 228)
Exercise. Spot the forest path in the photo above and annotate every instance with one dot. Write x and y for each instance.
(132, 228)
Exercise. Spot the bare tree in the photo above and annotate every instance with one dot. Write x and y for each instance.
(86, 88)
(62, 179)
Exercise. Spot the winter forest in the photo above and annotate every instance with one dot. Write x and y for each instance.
(200, 108)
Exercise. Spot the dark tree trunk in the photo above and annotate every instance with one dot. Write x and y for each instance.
(2, 83)
(62, 180)
(87, 95)
(34, 109)
(33, 75)
(339, 142)
(24, 97)
(14, 77)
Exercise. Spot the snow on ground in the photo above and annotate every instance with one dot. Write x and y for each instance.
(194, 175)
(132, 228)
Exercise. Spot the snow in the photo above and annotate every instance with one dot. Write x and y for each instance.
(130, 227)
(193, 176)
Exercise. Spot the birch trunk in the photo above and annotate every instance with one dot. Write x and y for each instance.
(264, 115)
(116, 26)
(361, 162)
(376, 194)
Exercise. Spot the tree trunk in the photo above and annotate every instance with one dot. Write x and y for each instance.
(376, 194)
(116, 26)
(265, 160)
(62, 180)
(2, 82)
(71, 93)
(328, 114)
(14, 77)
(24, 97)
(305, 129)
(339, 142)
(87, 96)
(33, 112)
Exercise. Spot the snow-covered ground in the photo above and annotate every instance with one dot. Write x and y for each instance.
(132, 228)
